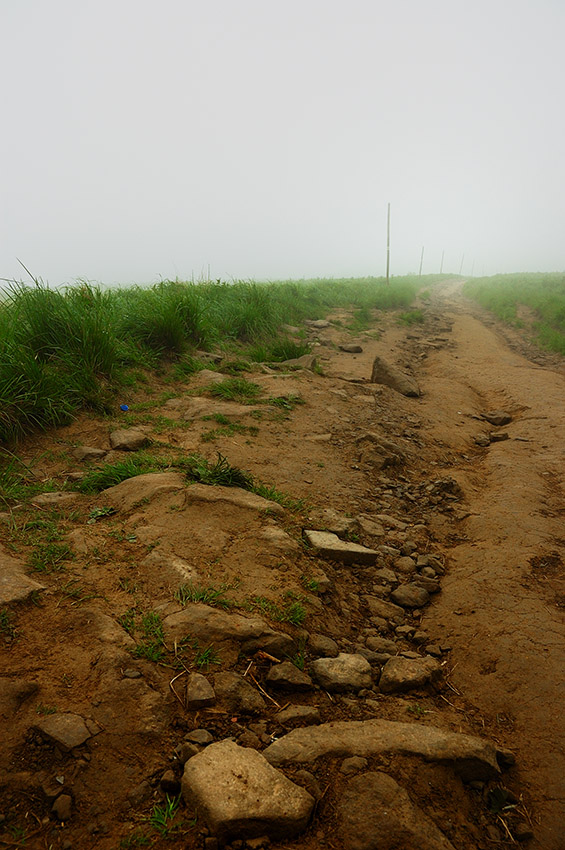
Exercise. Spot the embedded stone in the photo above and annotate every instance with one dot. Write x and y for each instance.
(344, 673)
(404, 674)
(329, 545)
(376, 813)
(410, 596)
(238, 794)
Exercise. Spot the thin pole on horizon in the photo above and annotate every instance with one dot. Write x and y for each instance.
(441, 266)
(462, 261)
(421, 262)
(473, 268)
(388, 245)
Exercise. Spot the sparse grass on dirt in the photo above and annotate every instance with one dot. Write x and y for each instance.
(544, 294)
(236, 389)
(111, 474)
(291, 610)
(214, 596)
(411, 317)
(70, 349)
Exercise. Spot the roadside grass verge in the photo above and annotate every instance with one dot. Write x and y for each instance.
(63, 350)
(543, 294)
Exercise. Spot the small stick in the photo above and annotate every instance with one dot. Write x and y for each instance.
(449, 703)
(505, 825)
(249, 666)
(182, 672)
(265, 656)
(263, 691)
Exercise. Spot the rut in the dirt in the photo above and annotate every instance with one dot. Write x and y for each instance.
(290, 674)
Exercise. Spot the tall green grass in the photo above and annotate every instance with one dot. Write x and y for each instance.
(65, 349)
(544, 294)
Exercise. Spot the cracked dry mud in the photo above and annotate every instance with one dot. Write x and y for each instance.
(94, 737)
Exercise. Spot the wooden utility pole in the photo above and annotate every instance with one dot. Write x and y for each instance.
(388, 246)
(421, 262)
(462, 261)
(441, 266)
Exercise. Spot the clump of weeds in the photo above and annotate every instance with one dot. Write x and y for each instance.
(50, 557)
(7, 627)
(411, 317)
(214, 596)
(236, 389)
(219, 473)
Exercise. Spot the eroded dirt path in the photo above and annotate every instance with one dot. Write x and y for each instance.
(505, 584)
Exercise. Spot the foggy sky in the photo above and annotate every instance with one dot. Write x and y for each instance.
(260, 139)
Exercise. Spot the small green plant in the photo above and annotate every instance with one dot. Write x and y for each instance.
(220, 473)
(73, 590)
(162, 816)
(235, 367)
(411, 317)
(205, 657)
(228, 431)
(274, 495)
(278, 351)
(286, 402)
(217, 417)
(310, 584)
(49, 557)
(188, 366)
(46, 709)
(152, 647)
(236, 389)
(208, 595)
(360, 320)
(128, 585)
(150, 650)
(127, 621)
(6, 624)
(99, 513)
(416, 709)
(114, 473)
(299, 659)
(136, 839)
(292, 611)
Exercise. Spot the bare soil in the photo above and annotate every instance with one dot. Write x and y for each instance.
(493, 515)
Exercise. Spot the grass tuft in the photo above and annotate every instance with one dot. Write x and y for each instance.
(236, 389)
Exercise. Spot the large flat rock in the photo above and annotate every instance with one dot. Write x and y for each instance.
(142, 488)
(347, 672)
(471, 758)
(229, 633)
(404, 674)
(205, 493)
(329, 545)
(375, 813)
(66, 730)
(238, 794)
(390, 376)
(15, 584)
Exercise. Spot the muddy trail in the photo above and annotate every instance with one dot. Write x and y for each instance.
(365, 652)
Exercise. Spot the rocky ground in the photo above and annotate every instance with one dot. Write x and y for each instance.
(368, 655)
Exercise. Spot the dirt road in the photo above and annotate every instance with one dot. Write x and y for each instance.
(506, 582)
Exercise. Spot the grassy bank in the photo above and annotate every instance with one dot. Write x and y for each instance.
(63, 350)
(542, 294)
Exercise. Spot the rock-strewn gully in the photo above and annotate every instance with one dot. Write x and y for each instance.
(377, 667)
